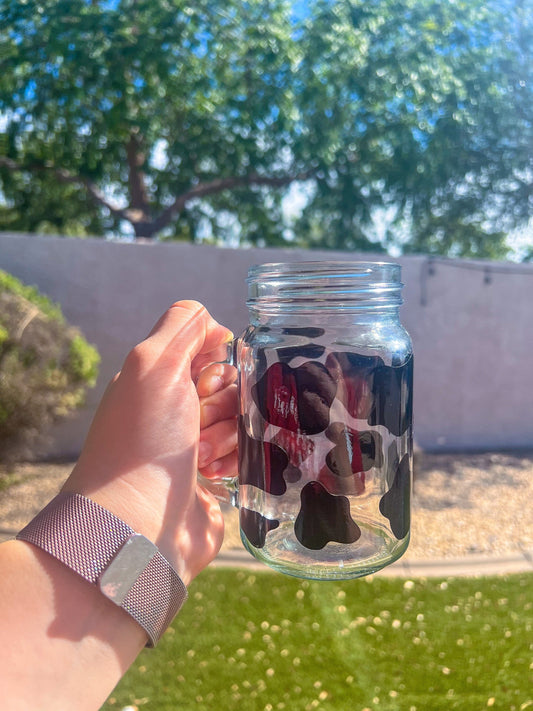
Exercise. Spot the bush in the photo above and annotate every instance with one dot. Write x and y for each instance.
(46, 368)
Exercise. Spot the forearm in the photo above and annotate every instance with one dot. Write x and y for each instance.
(49, 612)
(64, 644)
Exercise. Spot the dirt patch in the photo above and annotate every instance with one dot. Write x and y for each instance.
(463, 503)
(472, 503)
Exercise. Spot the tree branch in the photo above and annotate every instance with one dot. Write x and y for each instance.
(219, 184)
(64, 176)
(137, 214)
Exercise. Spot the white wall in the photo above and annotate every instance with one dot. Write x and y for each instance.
(471, 323)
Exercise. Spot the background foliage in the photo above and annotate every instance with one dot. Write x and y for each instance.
(46, 367)
(183, 121)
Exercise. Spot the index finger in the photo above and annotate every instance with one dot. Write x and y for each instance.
(187, 327)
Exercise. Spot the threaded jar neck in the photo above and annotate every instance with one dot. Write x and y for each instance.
(324, 286)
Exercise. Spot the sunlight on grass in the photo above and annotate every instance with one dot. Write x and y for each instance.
(263, 642)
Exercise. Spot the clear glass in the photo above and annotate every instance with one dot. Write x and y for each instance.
(325, 422)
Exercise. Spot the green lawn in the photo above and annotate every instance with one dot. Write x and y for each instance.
(263, 641)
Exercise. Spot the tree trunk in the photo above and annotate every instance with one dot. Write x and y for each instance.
(144, 229)
(139, 209)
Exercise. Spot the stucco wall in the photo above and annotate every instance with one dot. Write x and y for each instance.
(471, 324)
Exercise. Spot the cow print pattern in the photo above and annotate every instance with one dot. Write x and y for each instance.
(319, 422)
(255, 526)
(324, 518)
(395, 504)
(296, 399)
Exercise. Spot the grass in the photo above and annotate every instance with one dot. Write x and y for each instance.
(263, 642)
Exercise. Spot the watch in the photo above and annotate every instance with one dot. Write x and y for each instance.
(126, 567)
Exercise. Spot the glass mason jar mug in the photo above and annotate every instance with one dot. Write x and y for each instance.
(325, 374)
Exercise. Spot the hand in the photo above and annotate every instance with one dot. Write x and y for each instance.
(140, 459)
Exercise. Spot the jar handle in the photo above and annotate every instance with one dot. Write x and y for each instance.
(226, 489)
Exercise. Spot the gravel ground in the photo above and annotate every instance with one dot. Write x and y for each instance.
(463, 504)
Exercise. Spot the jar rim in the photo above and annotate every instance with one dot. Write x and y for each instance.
(354, 268)
(321, 284)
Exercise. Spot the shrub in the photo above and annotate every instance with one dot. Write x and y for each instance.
(46, 368)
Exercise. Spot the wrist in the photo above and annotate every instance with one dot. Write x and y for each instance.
(125, 566)
(140, 498)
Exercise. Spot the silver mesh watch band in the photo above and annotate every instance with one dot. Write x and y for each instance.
(103, 549)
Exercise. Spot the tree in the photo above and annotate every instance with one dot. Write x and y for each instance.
(191, 120)
(433, 101)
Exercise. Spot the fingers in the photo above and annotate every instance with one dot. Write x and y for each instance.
(214, 378)
(187, 327)
(223, 405)
(218, 355)
(222, 468)
(218, 449)
(218, 395)
(218, 423)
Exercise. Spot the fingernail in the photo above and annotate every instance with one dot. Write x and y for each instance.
(204, 453)
(215, 466)
(216, 383)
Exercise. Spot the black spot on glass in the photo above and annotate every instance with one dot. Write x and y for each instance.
(296, 399)
(354, 373)
(371, 390)
(255, 526)
(393, 397)
(371, 444)
(292, 474)
(355, 363)
(393, 462)
(309, 350)
(316, 392)
(323, 518)
(260, 363)
(354, 451)
(395, 504)
(306, 331)
(263, 464)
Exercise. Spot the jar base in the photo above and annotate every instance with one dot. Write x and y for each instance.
(334, 562)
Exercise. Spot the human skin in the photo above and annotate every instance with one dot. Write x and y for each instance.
(64, 644)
